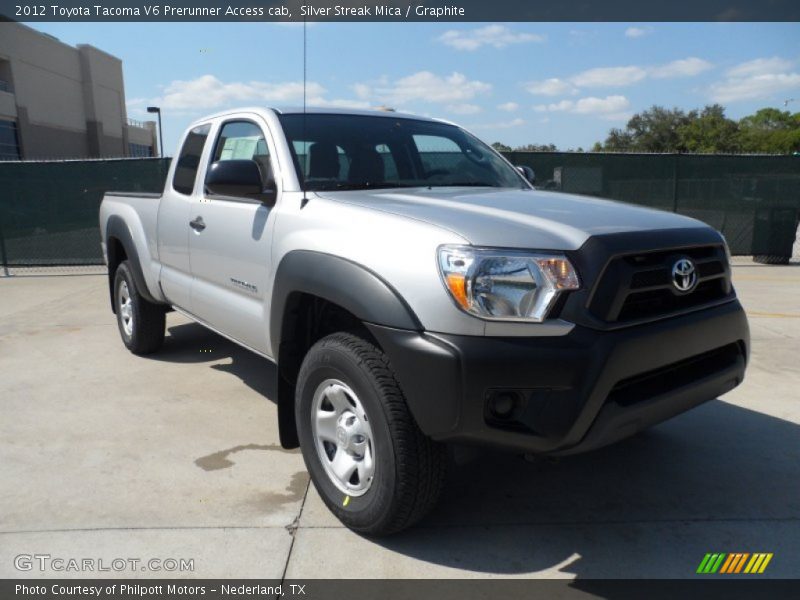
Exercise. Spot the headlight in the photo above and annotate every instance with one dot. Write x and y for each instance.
(505, 284)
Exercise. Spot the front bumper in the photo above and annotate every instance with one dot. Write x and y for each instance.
(571, 393)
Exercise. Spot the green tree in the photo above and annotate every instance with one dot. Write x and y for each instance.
(500, 147)
(617, 141)
(709, 131)
(705, 131)
(770, 130)
(657, 129)
(536, 148)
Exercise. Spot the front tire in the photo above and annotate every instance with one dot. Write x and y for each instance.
(141, 323)
(369, 461)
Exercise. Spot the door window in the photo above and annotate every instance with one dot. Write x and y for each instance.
(243, 140)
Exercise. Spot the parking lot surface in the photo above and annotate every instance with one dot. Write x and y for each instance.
(106, 455)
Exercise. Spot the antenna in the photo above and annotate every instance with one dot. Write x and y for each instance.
(306, 157)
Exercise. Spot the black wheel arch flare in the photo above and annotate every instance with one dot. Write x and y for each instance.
(116, 229)
(342, 282)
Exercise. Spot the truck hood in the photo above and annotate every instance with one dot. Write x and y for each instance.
(515, 218)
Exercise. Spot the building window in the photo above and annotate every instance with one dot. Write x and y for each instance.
(5, 77)
(9, 141)
(140, 150)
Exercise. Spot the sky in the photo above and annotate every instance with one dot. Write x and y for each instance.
(517, 83)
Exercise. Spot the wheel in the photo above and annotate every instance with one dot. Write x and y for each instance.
(369, 461)
(141, 323)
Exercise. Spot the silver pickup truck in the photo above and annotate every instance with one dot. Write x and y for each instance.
(415, 290)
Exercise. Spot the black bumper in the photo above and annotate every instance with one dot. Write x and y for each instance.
(571, 393)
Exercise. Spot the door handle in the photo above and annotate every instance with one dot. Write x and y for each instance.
(197, 224)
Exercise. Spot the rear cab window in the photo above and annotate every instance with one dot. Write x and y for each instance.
(189, 160)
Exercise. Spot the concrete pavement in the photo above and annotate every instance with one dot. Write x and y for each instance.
(107, 455)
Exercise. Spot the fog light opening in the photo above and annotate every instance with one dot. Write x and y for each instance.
(503, 404)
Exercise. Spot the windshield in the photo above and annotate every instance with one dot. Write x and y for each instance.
(345, 152)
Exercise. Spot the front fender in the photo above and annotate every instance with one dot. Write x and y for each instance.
(355, 288)
(347, 284)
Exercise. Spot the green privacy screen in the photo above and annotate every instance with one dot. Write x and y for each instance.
(753, 200)
(48, 210)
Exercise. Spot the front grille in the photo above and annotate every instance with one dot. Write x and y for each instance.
(676, 375)
(641, 305)
(639, 286)
(650, 278)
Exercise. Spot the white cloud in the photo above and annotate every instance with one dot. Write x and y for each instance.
(610, 105)
(609, 76)
(686, 67)
(423, 86)
(549, 87)
(760, 66)
(508, 106)
(500, 124)
(758, 86)
(564, 105)
(497, 36)
(637, 32)
(339, 103)
(759, 78)
(617, 76)
(464, 109)
(207, 92)
(362, 90)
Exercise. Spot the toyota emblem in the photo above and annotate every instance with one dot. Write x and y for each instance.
(684, 275)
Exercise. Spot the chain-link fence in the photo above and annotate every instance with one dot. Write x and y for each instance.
(49, 210)
(753, 200)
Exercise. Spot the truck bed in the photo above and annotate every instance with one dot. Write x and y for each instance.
(135, 194)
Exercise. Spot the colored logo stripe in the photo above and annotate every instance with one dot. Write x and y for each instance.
(758, 563)
(711, 563)
(734, 562)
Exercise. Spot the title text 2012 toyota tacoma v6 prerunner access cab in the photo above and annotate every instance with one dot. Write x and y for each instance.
(415, 289)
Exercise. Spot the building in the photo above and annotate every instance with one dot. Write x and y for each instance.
(59, 102)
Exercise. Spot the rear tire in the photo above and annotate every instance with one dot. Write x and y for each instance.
(397, 472)
(141, 323)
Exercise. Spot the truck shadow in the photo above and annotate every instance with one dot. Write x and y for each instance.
(720, 478)
(193, 343)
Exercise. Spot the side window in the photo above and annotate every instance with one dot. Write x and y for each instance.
(189, 160)
(389, 164)
(439, 154)
(243, 140)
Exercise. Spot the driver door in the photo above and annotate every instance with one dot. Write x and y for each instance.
(230, 243)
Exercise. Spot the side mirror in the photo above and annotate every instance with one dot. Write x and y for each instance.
(240, 179)
(527, 173)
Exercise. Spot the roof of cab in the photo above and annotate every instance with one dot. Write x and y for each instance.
(290, 110)
(367, 112)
